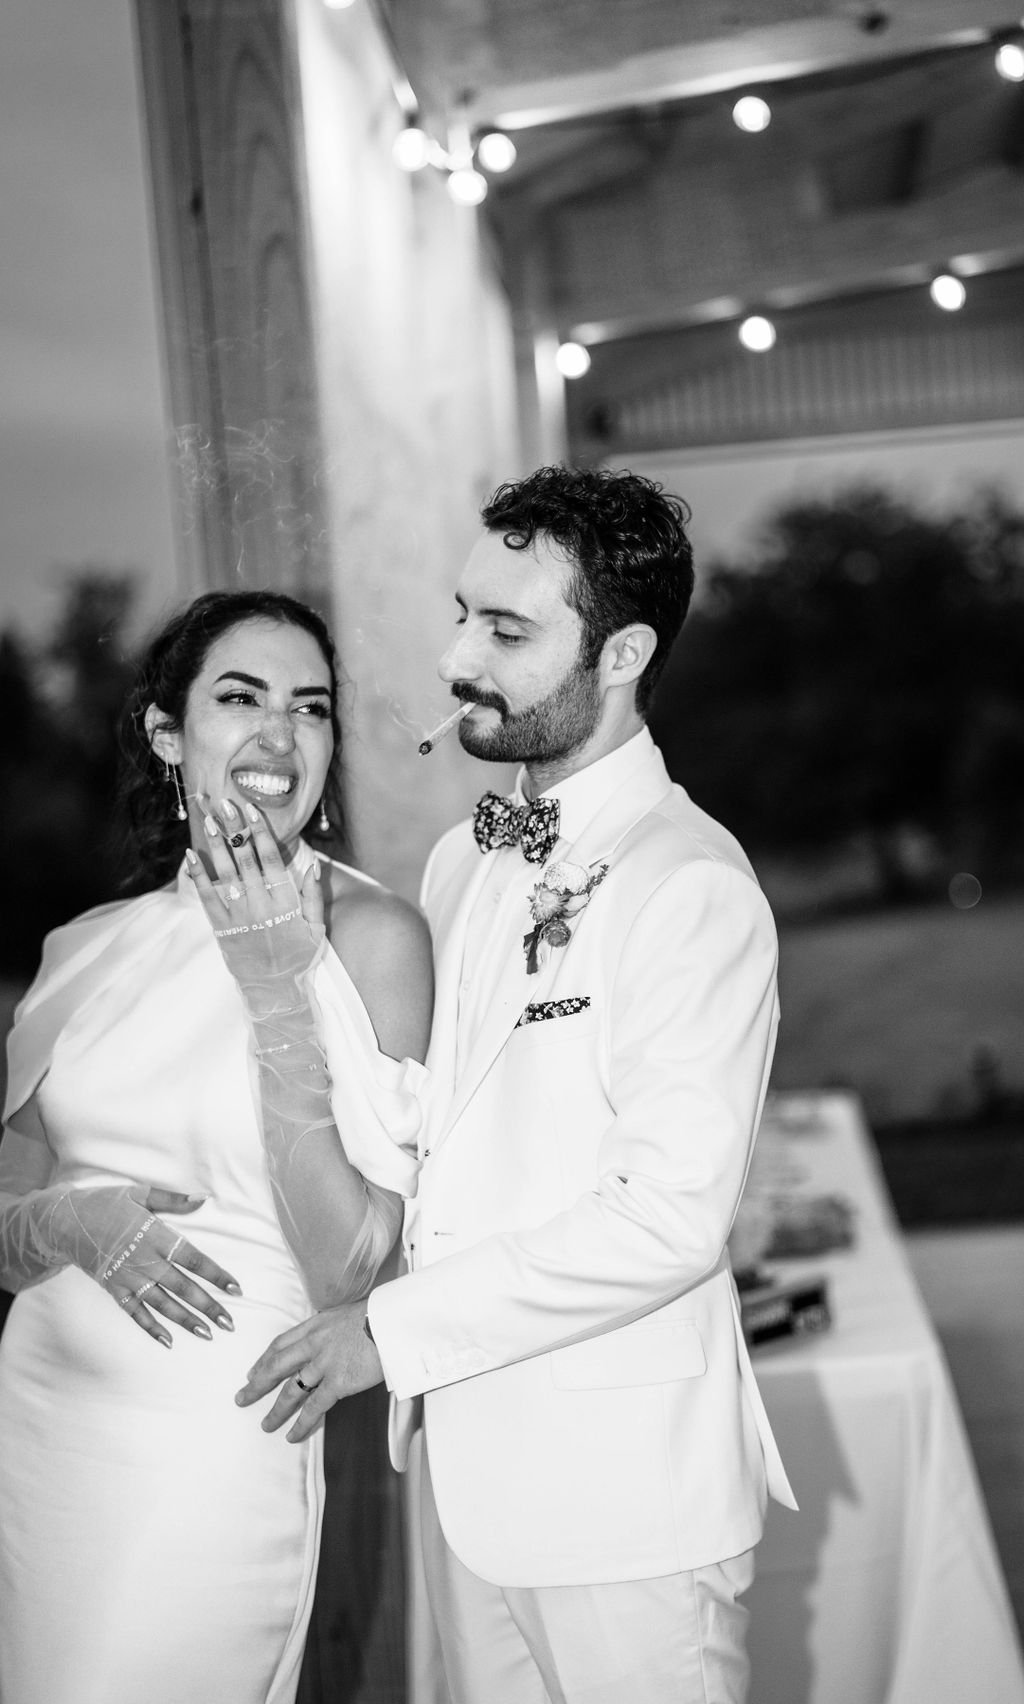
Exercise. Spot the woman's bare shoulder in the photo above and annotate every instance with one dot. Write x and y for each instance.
(384, 943)
(361, 915)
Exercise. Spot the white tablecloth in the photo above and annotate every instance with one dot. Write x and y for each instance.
(885, 1588)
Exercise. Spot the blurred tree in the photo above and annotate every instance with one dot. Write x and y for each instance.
(859, 675)
(58, 711)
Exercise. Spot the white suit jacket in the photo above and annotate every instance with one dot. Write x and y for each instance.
(569, 1315)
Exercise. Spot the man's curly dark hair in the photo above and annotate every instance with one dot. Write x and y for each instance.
(626, 540)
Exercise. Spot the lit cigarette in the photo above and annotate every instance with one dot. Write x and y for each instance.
(445, 727)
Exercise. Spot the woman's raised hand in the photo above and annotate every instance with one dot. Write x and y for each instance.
(265, 925)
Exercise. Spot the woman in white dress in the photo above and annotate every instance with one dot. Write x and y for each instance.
(259, 1075)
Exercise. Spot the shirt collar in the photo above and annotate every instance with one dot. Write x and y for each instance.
(582, 795)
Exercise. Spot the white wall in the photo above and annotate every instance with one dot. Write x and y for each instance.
(416, 374)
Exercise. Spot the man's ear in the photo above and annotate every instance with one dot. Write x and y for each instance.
(165, 742)
(627, 653)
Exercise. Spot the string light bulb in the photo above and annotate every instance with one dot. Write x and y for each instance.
(572, 360)
(947, 292)
(752, 114)
(757, 333)
(466, 186)
(496, 152)
(411, 149)
(1010, 61)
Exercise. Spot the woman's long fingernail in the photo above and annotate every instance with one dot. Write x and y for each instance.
(191, 858)
(225, 1322)
(210, 826)
(161, 1337)
(229, 810)
(252, 813)
(201, 1330)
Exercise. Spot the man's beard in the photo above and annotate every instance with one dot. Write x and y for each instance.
(546, 732)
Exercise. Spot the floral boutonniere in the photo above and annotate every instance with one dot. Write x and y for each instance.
(562, 893)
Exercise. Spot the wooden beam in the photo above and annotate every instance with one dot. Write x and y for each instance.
(719, 58)
(869, 362)
(971, 228)
(222, 112)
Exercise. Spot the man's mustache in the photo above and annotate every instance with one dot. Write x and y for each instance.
(487, 700)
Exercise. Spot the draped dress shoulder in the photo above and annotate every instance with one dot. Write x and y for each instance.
(155, 1544)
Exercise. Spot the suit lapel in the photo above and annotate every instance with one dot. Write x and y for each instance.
(514, 988)
(596, 844)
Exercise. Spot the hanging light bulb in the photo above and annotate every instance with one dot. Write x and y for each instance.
(467, 186)
(572, 360)
(1010, 61)
(947, 292)
(751, 113)
(496, 152)
(411, 148)
(757, 333)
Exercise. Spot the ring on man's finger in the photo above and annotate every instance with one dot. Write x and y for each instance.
(306, 1387)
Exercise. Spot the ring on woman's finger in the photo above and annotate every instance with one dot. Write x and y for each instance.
(306, 1387)
(239, 838)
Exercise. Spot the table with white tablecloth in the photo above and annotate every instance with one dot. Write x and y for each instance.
(885, 1588)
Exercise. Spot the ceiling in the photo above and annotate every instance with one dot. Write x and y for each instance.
(638, 217)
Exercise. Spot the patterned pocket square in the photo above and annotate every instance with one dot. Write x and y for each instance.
(538, 1010)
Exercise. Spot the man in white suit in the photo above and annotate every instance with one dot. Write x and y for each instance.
(596, 1455)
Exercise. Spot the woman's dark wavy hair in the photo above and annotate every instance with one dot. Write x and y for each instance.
(155, 840)
(626, 540)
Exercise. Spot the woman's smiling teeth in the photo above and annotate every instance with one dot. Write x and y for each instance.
(260, 784)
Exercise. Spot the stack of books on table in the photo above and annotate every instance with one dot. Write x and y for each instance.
(773, 1308)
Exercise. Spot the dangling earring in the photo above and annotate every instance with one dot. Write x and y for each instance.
(171, 774)
(323, 822)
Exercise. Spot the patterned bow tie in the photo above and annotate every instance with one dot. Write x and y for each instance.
(498, 822)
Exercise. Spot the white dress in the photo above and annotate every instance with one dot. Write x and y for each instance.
(155, 1544)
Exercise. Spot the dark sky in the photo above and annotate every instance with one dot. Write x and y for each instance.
(82, 462)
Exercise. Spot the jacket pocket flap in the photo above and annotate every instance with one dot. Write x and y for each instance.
(634, 1355)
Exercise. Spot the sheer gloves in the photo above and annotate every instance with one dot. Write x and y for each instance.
(112, 1232)
(271, 936)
